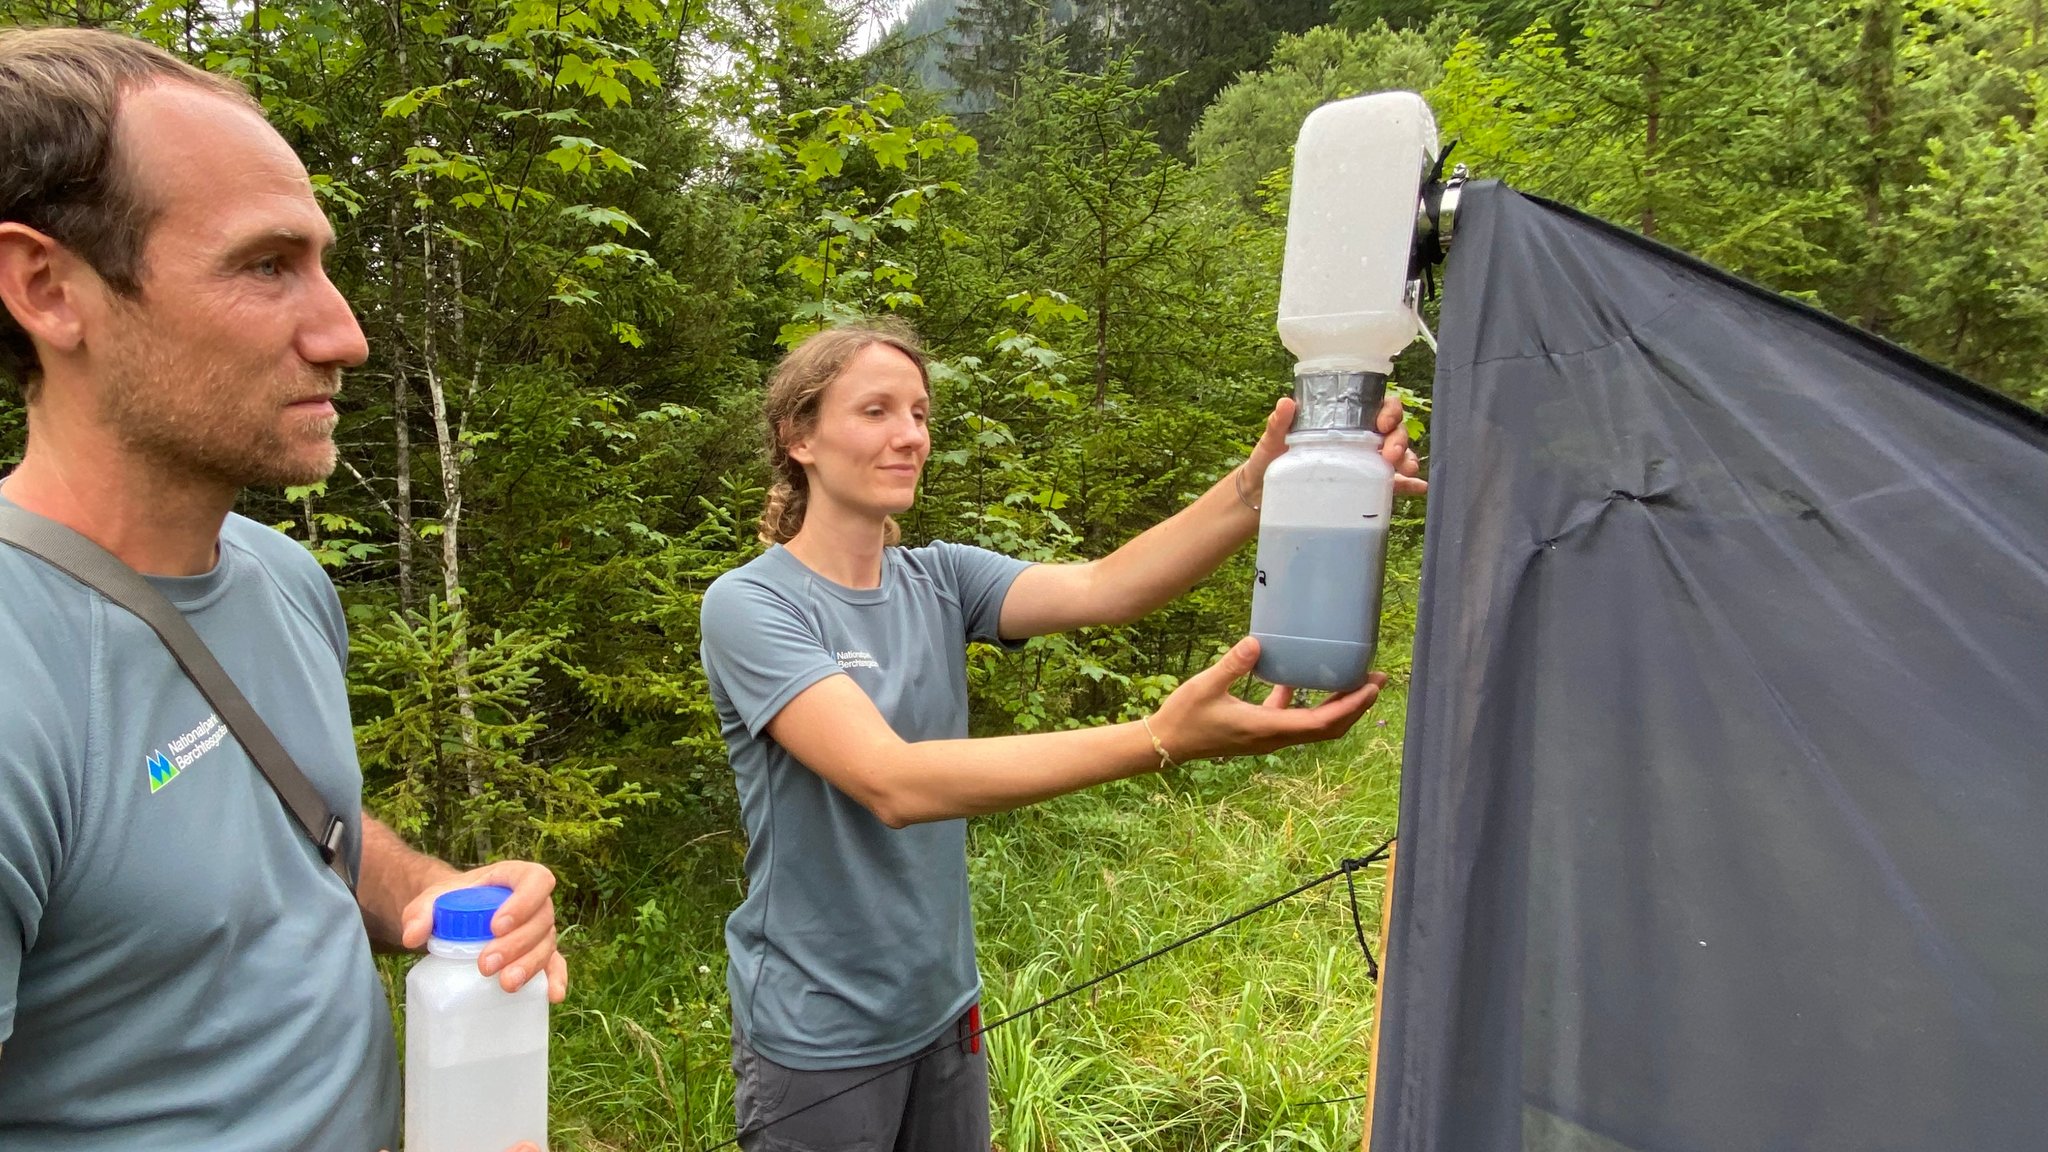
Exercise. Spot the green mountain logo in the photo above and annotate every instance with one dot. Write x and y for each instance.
(161, 770)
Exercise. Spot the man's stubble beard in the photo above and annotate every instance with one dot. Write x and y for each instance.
(189, 421)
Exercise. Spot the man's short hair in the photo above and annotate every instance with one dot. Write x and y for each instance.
(60, 91)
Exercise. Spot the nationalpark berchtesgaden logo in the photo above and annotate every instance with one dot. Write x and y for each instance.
(183, 752)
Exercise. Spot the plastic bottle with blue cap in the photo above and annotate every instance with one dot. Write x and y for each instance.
(476, 1056)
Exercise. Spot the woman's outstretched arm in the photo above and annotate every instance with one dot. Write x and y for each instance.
(1174, 555)
(835, 730)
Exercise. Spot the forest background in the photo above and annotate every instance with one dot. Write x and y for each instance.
(579, 232)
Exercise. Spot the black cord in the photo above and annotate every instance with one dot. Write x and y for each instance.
(1372, 967)
(1344, 869)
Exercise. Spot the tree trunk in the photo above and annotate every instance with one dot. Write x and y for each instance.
(1874, 64)
(1653, 114)
(1101, 312)
(401, 417)
(1876, 60)
(401, 390)
(1101, 349)
(1651, 123)
(449, 452)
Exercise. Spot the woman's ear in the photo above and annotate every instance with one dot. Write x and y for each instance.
(798, 447)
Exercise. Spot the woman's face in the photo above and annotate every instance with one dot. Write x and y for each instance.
(870, 441)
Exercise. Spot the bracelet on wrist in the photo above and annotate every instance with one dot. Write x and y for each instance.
(1165, 761)
(1243, 499)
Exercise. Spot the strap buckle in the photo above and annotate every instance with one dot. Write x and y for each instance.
(331, 839)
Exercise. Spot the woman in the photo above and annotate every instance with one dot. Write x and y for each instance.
(837, 662)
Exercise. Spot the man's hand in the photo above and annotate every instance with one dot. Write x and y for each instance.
(524, 926)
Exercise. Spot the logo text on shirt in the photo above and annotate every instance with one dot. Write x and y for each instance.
(184, 751)
(854, 659)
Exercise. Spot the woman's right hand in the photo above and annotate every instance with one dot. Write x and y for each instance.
(1201, 719)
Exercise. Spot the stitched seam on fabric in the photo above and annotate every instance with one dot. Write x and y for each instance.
(289, 599)
(96, 770)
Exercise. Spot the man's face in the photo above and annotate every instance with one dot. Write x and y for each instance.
(225, 366)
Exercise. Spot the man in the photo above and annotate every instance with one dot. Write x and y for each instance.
(178, 969)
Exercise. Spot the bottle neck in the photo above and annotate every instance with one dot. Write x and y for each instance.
(1364, 438)
(456, 949)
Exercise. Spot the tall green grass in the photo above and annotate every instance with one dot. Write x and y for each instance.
(1224, 1044)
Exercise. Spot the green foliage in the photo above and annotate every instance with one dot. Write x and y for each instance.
(1975, 234)
(1185, 51)
(13, 430)
(991, 44)
(444, 731)
(1224, 1044)
(1181, 51)
(578, 237)
(1107, 354)
(1881, 160)
(1662, 117)
(1365, 15)
(1248, 133)
(842, 183)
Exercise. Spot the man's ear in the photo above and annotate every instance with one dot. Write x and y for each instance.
(39, 286)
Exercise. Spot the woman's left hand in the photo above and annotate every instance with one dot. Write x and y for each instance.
(1393, 429)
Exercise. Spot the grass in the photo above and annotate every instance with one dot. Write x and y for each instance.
(1220, 1045)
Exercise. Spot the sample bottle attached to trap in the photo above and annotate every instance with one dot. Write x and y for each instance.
(476, 1056)
(1345, 313)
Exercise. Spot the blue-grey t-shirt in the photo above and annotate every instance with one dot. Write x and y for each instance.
(855, 943)
(178, 969)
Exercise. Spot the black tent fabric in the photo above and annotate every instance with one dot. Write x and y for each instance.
(1724, 820)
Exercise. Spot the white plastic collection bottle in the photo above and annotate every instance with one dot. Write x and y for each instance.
(1322, 553)
(476, 1056)
(1345, 313)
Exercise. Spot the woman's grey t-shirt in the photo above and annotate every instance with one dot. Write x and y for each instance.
(855, 943)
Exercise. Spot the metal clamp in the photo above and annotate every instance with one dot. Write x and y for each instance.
(1436, 215)
(1447, 206)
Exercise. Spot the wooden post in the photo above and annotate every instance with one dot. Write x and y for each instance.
(1379, 998)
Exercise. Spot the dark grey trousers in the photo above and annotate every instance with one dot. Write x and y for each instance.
(933, 1101)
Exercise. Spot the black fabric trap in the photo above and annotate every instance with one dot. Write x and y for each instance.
(1724, 819)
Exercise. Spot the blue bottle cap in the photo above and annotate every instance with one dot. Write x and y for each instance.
(464, 915)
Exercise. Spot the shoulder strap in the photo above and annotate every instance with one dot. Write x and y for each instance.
(99, 569)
